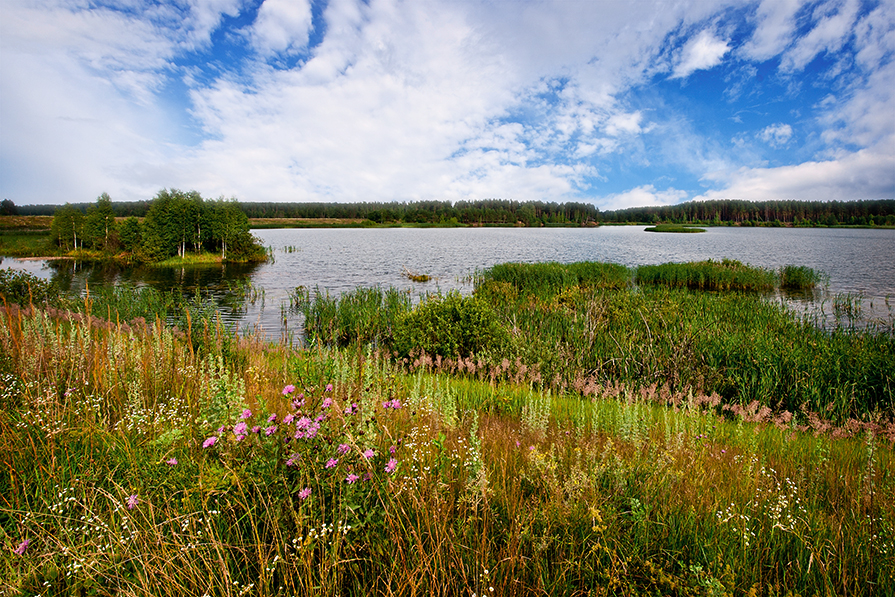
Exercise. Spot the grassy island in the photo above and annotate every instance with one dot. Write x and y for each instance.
(565, 430)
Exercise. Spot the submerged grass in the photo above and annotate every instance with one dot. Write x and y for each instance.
(137, 464)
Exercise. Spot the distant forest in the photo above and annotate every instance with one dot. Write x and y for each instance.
(876, 212)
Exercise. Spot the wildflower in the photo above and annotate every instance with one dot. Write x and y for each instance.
(270, 430)
(351, 478)
(396, 404)
(350, 410)
(392, 449)
(288, 390)
(331, 462)
(209, 442)
(221, 429)
(288, 418)
(132, 501)
(391, 466)
(256, 429)
(297, 404)
(293, 460)
(368, 475)
(246, 413)
(343, 448)
(368, 453)
(20, 550)
(171, 462)
(272, 418)
(304, 493)
(329, 387)
(240, 430)
(327, 402)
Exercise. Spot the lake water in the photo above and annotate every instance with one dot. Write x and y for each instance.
(857, 261)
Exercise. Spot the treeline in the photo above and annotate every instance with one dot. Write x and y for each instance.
(175, 223)
(876, 212)
(486, 211)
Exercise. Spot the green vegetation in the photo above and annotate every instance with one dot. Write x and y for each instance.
(578, 327)
(673, 228)
(138, 462)
(176, 224)
(708, 275)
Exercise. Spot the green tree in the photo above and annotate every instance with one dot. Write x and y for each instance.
(173, 220)
(66, 229)
(131, 235)
(8, 208)
(99, 225)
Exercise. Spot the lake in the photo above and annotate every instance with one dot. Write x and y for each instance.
(857, 261)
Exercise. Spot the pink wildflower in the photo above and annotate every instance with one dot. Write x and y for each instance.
(343, 448)
(304, 493)
(329, 387)
(20, 550)
(288, 418)
(331, 462)
(327, 402)
(171, 462)
(246, 413)
(270, 430)
(132, 501)
(391, 466)
(368, 453)
(256, 429)
(392, 449)
(293, 460)
(288, 390)
(240, 429)
(351, 478)
(209, 442)
(272, 418)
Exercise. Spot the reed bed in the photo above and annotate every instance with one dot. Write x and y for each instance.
(136, 463)
(708, 275)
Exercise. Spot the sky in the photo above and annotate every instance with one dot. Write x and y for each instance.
(619, 103)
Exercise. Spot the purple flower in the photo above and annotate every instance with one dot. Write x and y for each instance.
(20, 550)
(246, 413)
(304, 493)
(392, 449)
(350, 410)
(256, 429)
(343, 448)
(172, 461)
(368, 453)
(293, 460)
(392, 404)
(221, 429)
(288, 418)
(209, 442)
(132, 501)
(327, 402)
(297, 404)
(331, 462)
(288, 390)
(391, 466)
(240, 429)
(351, 478)
(368, 475)
(270, 430)
(329, 387)
(302, 423)
(272, 418)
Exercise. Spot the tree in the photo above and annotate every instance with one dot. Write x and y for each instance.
(99, 225)
(131, 235)
(66, 229)
(8, 208)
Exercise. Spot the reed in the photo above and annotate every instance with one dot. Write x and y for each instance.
(364, 480)
(708, 275)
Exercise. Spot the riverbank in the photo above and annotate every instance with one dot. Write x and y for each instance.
(143, 460)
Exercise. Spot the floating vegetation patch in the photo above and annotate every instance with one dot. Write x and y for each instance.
(673, 228)
(415, 277)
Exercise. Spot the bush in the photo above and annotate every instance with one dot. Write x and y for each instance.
(24, 289)
(449, 326)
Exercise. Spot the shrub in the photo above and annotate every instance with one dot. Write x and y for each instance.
(449, 326)
(23, 288)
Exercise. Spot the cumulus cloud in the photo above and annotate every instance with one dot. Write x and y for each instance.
(700, 53)
(776, 135)
(642, 196)
(281, 25)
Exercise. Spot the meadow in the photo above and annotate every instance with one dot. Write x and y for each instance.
(385, 459)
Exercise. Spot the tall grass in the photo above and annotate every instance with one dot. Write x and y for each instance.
(111, 477)
(708, 275)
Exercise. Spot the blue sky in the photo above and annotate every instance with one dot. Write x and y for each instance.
(619, 103)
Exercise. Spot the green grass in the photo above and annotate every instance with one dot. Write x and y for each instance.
(493, 485)
(25, 243)
(708, 275)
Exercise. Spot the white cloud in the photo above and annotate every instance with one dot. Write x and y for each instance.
(833, 28)
(281, 25)
(776, 135)
(860, 175)
(700, 53)
(642, 196)
(774, 29)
